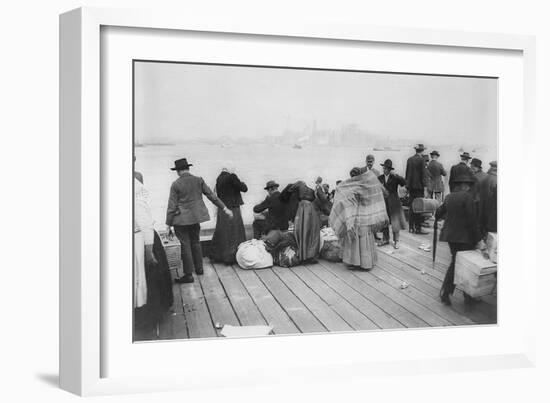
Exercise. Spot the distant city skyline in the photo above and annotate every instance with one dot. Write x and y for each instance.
(179, 102)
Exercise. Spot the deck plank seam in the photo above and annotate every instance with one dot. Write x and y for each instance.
(402, 294)
(327, 303)
(252, 298)
(281, 305)
(379, 306)
(308, 267)
(418, 301)
(225, 292)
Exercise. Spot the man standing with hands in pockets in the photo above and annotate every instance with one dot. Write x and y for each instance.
(186, 211)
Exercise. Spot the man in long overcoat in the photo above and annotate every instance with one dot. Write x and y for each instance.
(460, 169)
(460, 229)
(488, 200)
(185, 212)
(415, 176)
(437, 172)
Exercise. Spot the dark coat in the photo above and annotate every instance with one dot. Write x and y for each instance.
(322, 201)
(293, 193)
(277, 216)
(185, 204)
(461, 224)
(415, 174)
(479, 177)
(460, 169)
(436, 171)
(392, 200)
(229, 188)
(488, 202)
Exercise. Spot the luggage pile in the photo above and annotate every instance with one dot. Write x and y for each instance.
(330, 246)
(283, 248)
(475, 274)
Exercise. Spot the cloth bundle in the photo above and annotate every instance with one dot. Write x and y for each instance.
(358, 202)
(253, 255)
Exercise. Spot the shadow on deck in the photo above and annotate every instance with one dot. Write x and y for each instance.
(402, 291)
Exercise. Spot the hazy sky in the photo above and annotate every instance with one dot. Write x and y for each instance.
(178, 101)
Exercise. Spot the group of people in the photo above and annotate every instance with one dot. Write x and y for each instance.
(359, 208)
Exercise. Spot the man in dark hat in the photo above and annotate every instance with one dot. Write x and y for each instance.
(185, 212)
(415, 176)
(274, 211)
(488, 200)
(391, 181)
(460, 169)
(479, 175)
(460, 229)
(436, 170)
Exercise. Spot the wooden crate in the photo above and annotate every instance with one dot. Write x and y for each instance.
(474, 274)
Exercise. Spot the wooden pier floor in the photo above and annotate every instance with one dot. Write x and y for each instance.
(323, 297)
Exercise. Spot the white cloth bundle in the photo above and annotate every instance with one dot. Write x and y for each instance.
(253, 255)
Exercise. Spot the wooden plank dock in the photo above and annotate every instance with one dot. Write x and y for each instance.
(402, 291)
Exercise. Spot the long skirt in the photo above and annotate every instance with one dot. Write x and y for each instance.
(307, 230)
(229, 234)
(140, 281)
(159, 288)
(360, 251)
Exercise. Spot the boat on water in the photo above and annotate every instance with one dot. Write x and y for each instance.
(385, 149)
(297, 146)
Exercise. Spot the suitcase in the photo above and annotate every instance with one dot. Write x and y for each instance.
(421, 205)
(474, 274)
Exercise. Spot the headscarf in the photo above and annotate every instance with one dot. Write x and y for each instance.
(358, 202)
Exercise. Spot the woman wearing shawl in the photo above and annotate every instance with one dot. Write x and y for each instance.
(229, 232)
(307, 222)
(359, 211)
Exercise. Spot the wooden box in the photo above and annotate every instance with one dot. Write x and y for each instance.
(474, 274)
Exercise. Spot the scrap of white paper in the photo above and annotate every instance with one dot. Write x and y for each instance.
(245, 331)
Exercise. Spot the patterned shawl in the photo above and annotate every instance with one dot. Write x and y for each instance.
(358, 202)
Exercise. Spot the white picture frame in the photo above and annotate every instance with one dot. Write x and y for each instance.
(82, 196)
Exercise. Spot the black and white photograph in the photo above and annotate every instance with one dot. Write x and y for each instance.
(271, 200)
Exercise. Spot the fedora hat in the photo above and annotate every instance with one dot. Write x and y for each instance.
(435, 153)
(181, 164)
(419, 147)
(465, 155)
(476, 162)
(388, 164)
(271, 184)
(463, 179)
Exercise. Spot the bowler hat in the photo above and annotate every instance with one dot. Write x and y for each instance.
(463, 179)
(435, 153)
(465, 155)
(493, 164)
(476, 162)
(388, 164)
(181, 164)
(419, 147)
(271, 184)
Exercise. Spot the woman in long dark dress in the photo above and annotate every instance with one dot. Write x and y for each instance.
(391, 181)
(229, 232)
(307, 221)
